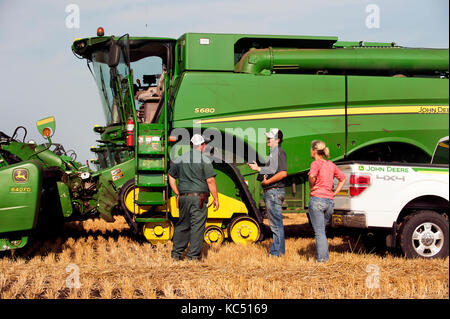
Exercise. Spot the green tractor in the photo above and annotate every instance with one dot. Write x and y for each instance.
(43, 186)
(31, 191)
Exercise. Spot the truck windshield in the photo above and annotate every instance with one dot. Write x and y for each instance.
(110, 90)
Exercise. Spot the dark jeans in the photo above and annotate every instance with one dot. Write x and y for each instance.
(274, 199)
(190, 227)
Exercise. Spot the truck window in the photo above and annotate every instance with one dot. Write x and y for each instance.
(441, 153)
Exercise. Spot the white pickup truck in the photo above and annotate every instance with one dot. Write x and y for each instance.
(407, 203)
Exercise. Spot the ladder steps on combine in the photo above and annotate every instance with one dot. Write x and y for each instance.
(147, 179)
(147, 198)
(156, 164)
(151, 165)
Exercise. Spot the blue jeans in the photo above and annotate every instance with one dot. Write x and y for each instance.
(274, 199)
(320, 211)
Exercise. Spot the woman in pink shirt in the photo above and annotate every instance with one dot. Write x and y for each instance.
(321, 201)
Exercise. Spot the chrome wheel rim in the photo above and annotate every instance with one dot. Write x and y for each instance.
(427, 239)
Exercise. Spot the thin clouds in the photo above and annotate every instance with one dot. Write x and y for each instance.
(42, 77)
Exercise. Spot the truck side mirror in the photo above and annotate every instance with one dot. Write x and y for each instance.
(46, 126)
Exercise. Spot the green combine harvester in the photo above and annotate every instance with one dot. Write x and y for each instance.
(368, 101)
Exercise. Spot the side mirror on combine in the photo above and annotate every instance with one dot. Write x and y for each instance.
(114, 54)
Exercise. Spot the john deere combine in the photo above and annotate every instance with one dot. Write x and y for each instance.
(368, 101)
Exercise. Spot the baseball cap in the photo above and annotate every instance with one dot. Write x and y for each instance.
(273, 133)
(197, 139)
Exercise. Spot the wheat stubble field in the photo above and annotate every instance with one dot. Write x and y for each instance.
(111, 264)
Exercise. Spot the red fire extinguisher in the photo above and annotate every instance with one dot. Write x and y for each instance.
(130, 129)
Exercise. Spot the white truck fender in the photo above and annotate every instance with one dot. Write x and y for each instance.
(419, 189)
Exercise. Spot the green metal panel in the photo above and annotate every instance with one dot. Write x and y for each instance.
(150, 141)
(202, 49)
(119, 174)
(64, 198)
(410, 110)
(151, 164)
(25, 151)
(107, 198)
(148, 180)
(20, 192)
(150, 197)
(215, 52)
(248, 105)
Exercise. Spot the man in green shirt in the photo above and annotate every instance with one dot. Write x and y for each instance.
(196, 180)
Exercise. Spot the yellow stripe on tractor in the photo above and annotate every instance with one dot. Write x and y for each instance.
(411, 109)
(45, 121)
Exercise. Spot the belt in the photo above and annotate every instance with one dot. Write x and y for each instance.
(266, 189)
(192, 194)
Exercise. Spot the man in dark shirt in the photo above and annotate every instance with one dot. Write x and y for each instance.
(196, 180)
(273, 179)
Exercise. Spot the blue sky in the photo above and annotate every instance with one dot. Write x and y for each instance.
(42, 77)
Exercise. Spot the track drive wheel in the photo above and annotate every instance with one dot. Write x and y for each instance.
(128, 194)
(244, 230)
(158, 232)
(214, 235)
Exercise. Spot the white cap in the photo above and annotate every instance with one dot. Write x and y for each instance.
(197, 139)
(272, 133)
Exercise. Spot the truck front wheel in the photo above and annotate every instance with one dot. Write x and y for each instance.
(424, 234)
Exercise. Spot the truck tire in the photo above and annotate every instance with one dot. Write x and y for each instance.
(424, 234)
